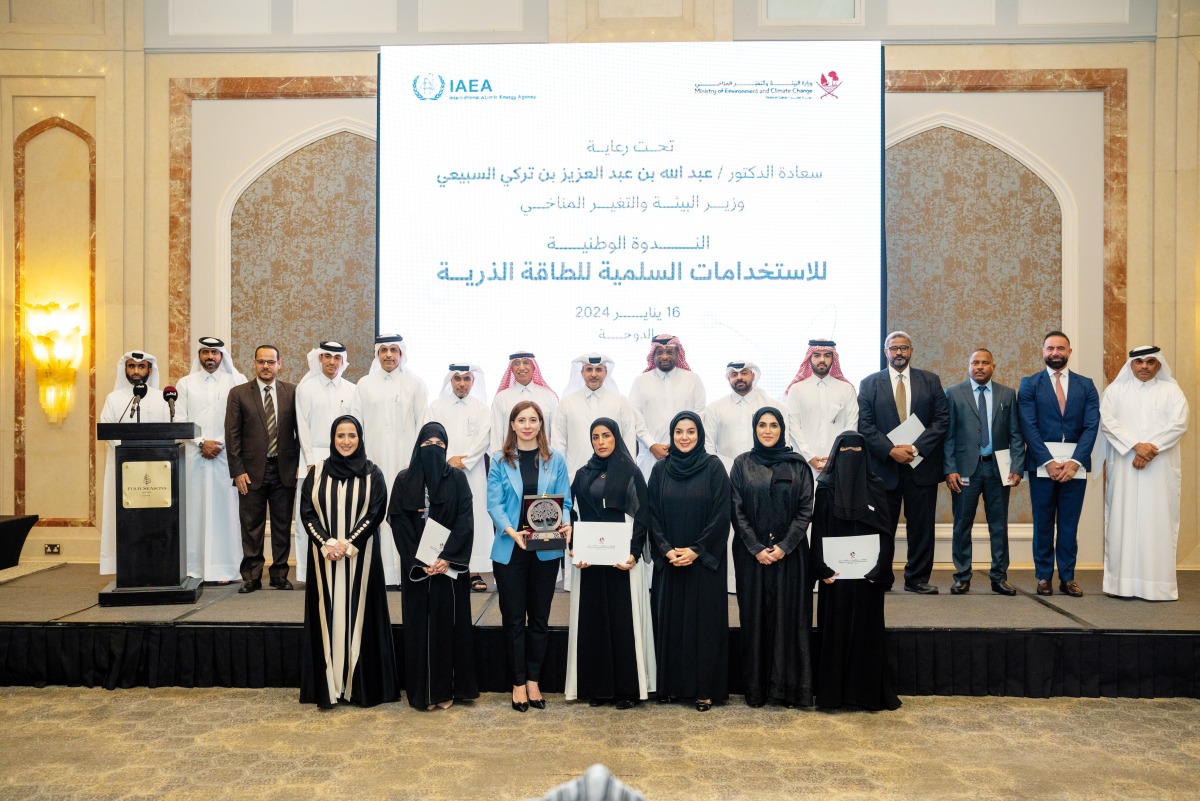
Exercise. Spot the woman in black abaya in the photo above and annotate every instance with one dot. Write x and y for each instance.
(610, 651)
(439, 645)
(348, 650)
(689, 527)
(853, 667)
(772, 504)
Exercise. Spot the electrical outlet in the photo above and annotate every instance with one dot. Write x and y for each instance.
(53, 549)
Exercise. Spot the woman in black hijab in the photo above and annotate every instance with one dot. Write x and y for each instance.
(772, 505)
(853, 667)
(439, 645)
(610, 651)
(348, 650)
(689, 528)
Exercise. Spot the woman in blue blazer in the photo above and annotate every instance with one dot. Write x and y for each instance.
(525, 579)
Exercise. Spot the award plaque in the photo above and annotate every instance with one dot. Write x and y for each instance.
(541, 516)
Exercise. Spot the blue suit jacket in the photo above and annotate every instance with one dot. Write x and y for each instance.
(504, 494)
(1042, 422)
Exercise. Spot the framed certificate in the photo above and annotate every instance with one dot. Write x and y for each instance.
(541, 516)
(851, 557)
(597, 543)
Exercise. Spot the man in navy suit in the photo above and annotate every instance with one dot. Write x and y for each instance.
(1057, 405)
(885, 399)
(983, 420)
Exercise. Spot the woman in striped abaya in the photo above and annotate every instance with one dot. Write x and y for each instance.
(348, 652)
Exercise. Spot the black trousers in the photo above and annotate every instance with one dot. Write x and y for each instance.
(526, 588)
(271, 495)
(920, 509)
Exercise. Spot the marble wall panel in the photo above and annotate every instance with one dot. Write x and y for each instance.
(974, 247)
(303, 255)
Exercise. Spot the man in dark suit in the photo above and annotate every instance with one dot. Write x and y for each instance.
(1057, 406)
(264, 452)
(885, 400)
(983, 420)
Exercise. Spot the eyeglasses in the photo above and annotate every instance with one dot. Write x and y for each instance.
(899, 348)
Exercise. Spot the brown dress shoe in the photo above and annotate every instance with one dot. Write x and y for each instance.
(1044, 587)
(1070, 588)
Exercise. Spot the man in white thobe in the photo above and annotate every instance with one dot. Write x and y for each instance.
(666, 387)
(214, 539)
(729, 426)
(322, 396)
(461, 407)
(1143, 415)
(592, 392)
(134, 367)
(521, 381)
(821, 403)
(392, 404)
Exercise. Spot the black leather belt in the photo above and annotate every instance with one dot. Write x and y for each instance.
(987, 458)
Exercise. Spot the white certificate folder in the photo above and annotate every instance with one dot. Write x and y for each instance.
(851, 557)
(433, 542)
(1062, 452)
(601, 543)
(906, 434)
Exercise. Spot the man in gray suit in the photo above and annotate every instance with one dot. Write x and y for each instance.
(983, 420)
(264, 454)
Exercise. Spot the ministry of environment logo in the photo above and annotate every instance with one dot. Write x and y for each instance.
(428, 86)
(829, 84)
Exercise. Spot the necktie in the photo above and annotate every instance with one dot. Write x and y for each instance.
(1058, 391)
(984, 434)
(272, 424)
(901, 399)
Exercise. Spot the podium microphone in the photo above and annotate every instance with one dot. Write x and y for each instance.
(170, 394)
(139, 392)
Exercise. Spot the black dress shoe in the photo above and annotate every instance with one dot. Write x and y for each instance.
(250, 586)
(537, 703)
(626, 703)
(281, 584)
(1003, 588)
(598, 702)
(703, 706)
(960, 588)
(921, 589)
(520, 706)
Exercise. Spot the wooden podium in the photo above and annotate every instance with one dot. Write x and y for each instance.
(151, 503)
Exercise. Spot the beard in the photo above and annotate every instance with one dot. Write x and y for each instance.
(1055, 362)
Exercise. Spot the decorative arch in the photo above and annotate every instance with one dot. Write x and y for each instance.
(20, 145)
(223, 235)
(1058, 186)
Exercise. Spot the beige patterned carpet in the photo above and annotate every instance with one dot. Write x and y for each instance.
(68, 743)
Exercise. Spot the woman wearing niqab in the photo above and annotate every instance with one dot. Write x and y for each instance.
(772, 504)
(689, 528)
(852, 668)
(348, 651)
(439, 645)
(610, 649)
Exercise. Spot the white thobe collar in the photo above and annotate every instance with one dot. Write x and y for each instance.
(661, 376)
(741, 400)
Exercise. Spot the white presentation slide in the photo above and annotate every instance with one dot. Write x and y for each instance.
(573, 198)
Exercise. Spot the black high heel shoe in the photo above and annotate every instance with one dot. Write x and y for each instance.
(520, 706)
(703, 706)
(537, 703)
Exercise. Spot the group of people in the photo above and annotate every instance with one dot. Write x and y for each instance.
(718, 494)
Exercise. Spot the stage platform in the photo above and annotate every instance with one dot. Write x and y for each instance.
(52, 631)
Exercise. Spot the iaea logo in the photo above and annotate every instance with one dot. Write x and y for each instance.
(429, 86)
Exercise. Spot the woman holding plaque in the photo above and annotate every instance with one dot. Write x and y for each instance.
(432, 498)
(689, 527)
(526, 466)
(853, 668)
(772, 505)
(348, 651)
(610, 651)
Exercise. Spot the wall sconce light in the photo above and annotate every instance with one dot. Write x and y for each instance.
(55, 338)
